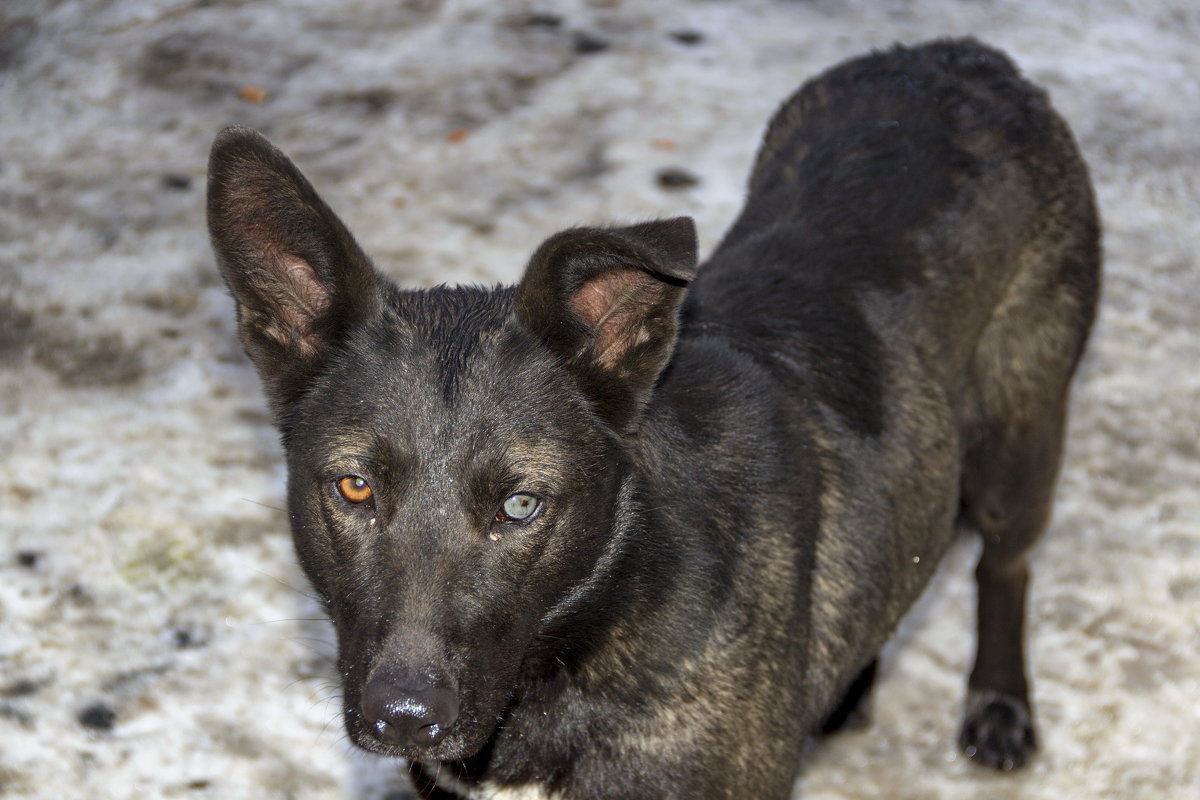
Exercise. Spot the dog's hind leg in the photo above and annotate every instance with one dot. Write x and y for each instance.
(1020, 377)
(1007, 492)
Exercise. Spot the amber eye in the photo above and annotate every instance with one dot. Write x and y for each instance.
(354, 489)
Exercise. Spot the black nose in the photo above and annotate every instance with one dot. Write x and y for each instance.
(404, 717)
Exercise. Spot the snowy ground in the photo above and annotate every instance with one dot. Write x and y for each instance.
(155, 636)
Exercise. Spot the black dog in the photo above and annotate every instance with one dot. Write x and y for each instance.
(632, 529)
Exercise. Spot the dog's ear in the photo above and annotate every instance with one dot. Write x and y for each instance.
(298, 277)
(606, 302)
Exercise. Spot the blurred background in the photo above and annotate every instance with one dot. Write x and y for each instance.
(156, 638)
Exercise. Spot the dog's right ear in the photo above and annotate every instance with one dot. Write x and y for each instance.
(298, 277)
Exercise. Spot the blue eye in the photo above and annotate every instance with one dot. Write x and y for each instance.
(519, 507)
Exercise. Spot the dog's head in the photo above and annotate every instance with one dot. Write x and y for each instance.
(455, 455)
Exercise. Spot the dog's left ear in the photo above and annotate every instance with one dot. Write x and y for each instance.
(606, 301)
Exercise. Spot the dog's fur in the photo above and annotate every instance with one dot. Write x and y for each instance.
(745, 472)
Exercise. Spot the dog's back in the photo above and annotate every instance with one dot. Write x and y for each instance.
(932, 177)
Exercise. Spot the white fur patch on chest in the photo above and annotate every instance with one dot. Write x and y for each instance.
(530, 791)
(492, 791)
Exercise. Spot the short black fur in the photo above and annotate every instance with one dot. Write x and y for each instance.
(729, 483)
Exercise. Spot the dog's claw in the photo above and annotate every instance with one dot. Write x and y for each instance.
(997, 731)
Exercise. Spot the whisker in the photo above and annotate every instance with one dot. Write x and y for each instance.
(288, 585)
(263, 505)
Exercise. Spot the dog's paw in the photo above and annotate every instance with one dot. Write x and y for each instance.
(997, 731)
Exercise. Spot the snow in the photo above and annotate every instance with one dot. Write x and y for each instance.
(145, 564)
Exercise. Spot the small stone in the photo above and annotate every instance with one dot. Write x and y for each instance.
(98, 717)
(687, 37)
(587, 44)
(544, 20)
(177, 181)
(675, 178)
(22, 687)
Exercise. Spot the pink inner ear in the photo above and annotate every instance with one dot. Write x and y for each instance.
(614, 305)
(309, 293)
(299, 298)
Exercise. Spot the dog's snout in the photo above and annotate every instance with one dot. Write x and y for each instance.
(404, 717)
